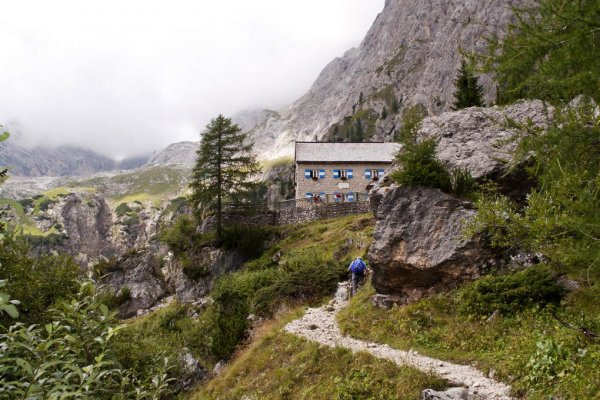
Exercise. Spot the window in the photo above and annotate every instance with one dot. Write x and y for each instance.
(342, 174)
(314, 174)
(374, 174)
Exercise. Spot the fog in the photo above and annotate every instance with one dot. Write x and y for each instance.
(127, 77)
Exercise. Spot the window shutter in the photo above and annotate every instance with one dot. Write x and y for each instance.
(321, 174)
(307, 174)
(368, 173)
(350, 174)
(336, 174)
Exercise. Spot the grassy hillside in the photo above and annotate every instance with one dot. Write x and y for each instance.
(278, 365)
(529, 349)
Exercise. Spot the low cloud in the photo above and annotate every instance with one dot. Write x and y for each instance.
(125, 78)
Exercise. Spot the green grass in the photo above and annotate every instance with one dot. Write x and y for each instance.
(339, 239)
(530, 350)
(278, 365)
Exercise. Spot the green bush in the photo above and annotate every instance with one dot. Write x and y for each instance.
(248, 241)
(305, 277)
(122, 209)
(180, 235)
(463, 184)
(45, 204)
(37, 282)
(73, 354)
(535, 286)
(420, 167)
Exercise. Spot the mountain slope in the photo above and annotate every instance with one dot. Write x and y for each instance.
(409, 56)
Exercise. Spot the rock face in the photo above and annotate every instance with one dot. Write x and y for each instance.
(60, 161)
(418, 246)
(477, 138)
(142, 276)
(410, 55)
(182, 153)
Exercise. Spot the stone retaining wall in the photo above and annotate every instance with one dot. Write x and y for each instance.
(296, 215)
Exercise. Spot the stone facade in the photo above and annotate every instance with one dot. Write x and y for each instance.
(327, 181)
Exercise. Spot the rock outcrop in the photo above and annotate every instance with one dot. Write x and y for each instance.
(479, 138)
(140, 275)
(409, 56)
(418, 245)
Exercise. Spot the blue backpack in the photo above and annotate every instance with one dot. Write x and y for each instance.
(358, 267)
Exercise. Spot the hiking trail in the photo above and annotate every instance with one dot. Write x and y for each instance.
(320, 325)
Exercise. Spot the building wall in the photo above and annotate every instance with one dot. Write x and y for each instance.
(329, 184)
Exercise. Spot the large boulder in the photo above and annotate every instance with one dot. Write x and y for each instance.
(419, 245)
(478, 138)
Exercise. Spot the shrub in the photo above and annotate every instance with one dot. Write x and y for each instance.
(37, 282)
(45, 204)
(73, 354)
(420, 167)
(463, 184)
(122, 209)
(248, 241)
(535, 286)
(180, 235)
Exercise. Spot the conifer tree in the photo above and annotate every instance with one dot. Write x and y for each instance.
(551, 52)
(225, 166)
(384, 113)
(469, 93)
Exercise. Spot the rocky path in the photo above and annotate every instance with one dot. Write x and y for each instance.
(320, 325)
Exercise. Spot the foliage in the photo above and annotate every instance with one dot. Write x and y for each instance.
(122, 209)
(551, 52)
(561, 217)
(224, 167)
(420, 167)
(306, 277)
(248, 241)
(8, 306)
(418, 163)
(169, 331)
(463, 184)
(535, 286)
(36, 282)
(469, 93)
(281, 366)
(72, 356)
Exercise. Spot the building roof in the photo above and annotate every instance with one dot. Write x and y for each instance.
(346, 152)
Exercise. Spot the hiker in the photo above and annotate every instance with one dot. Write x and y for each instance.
(358, 269)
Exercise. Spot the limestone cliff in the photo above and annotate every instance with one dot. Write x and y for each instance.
(409, 56)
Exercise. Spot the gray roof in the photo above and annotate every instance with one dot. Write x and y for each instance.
(346, 152)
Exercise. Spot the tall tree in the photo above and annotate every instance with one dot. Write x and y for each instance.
(225, 166)
(469, 93)
(551, 52)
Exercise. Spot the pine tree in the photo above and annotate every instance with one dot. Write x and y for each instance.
(225, 166)
(384, 113)
(469, 93)
(551, 52)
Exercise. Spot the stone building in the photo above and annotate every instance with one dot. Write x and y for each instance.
(340, 171)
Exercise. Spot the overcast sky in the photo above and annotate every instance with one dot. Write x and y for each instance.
(130, 76)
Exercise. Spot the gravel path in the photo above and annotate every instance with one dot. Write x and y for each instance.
(320, 325)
